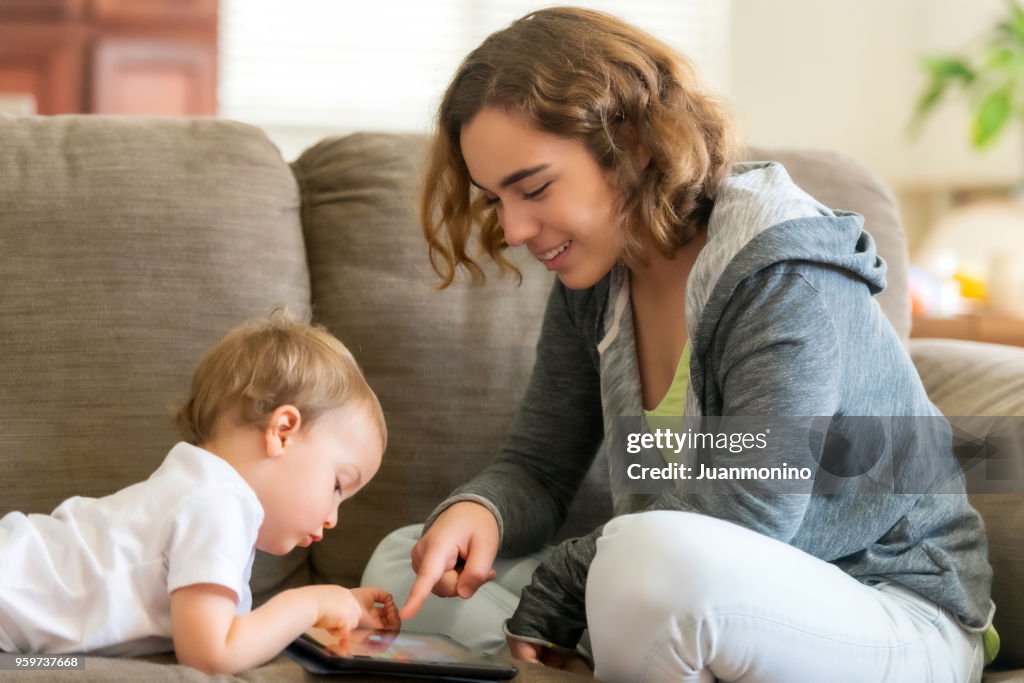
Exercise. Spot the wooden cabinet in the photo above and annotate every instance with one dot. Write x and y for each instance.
(134, 76)
(109, 56)
(42, 65)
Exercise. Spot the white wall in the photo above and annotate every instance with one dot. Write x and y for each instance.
(845, 75)
(329, 67)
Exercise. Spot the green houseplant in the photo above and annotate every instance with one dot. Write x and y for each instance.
(990, 73)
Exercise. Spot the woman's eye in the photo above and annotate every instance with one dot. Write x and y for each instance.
(490, 201)
(537, 193)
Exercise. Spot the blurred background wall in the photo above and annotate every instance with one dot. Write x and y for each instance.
(828, 74)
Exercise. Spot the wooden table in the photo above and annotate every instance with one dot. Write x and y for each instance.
(991, 328)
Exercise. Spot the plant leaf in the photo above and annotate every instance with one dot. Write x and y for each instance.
(951, 68)
(1017, 17)
(991, 117)
(942, 71)
(1005, 29)
(1000, 57)
(929, 98)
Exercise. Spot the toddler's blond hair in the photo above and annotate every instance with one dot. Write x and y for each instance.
(268, 363)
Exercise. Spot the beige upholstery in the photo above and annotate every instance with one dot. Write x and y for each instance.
(964, 378)
(128, 245)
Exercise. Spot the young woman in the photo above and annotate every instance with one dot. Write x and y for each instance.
(687, 284)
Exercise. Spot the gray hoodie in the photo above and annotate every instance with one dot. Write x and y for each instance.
(782, 322)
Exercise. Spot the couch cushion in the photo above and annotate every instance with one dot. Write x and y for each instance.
(968, 378)
(129, 246)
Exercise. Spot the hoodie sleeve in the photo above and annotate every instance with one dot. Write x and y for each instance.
(775, 353)
(554, 436)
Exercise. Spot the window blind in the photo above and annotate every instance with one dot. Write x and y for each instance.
(309, 68)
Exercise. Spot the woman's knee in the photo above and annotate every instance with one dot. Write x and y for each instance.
(652, 571)
(655, 554)
(392, 555)
(402, 538)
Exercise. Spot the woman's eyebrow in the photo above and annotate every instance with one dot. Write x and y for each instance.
(515, 176)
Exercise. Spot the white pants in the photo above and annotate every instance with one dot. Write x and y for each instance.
(674, 596)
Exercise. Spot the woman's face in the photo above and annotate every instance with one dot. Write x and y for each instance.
(549, 193)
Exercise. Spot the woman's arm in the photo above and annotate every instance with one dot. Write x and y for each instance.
(520, 500)
(555, 435)
(209, 636)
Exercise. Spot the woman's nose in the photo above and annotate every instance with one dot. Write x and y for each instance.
(518, 225)
(332, 520)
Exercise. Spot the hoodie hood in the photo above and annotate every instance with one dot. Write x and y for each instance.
(761, 218)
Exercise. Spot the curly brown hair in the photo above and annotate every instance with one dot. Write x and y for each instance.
(588, 76)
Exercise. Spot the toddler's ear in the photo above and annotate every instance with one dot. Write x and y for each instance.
(282, 427)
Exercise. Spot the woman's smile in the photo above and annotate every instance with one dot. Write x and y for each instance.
(555, 258)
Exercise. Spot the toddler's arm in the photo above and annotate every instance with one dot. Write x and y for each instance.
(209, 636)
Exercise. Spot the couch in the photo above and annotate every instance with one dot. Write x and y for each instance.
(129, 245)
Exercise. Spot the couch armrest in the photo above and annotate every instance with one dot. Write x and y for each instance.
(966, 378)
(971, 378)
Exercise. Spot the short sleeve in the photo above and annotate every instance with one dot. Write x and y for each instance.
(212, 539)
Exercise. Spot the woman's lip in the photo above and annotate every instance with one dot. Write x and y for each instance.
(558, 261)
(544, 252)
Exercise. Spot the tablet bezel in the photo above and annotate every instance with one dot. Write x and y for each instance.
(483, 669)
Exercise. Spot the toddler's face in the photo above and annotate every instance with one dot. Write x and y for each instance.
(324, 464)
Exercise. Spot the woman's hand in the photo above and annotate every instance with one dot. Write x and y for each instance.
(455, 556)
(538, 654)
(379, 609)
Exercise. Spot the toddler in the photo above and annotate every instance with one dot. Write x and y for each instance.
(280, 426)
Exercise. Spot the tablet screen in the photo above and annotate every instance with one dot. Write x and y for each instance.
(395, 646)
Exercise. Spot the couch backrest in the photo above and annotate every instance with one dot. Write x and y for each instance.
(127, 247)
(451, 366)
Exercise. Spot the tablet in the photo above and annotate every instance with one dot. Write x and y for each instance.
(395, 652)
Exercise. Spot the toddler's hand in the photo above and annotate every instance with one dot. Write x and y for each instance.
(338, 609)
(379, 609)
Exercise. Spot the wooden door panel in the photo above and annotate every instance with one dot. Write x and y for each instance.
(154, 10)
(155, 78)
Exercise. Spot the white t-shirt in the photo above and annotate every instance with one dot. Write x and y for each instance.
(97, 574)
